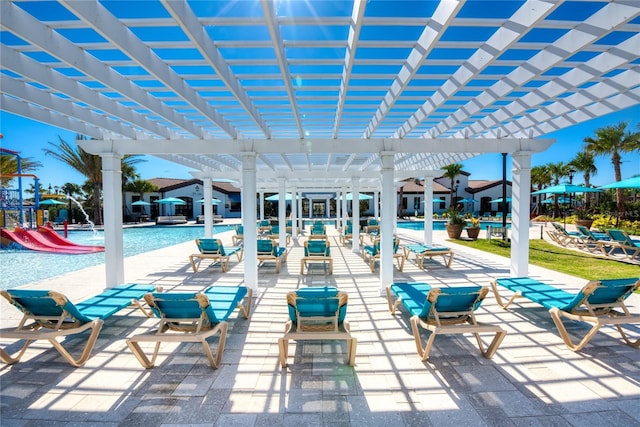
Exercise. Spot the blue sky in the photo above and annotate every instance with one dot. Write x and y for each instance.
(30, 138)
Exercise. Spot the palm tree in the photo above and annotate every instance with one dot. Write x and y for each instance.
(89, 165)
(612, 141)
(451, 171)
(585, 163)
(140, 186)
(9, 166)
(540, 178)
(557, 171)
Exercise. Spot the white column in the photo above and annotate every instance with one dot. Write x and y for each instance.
(299, 201)
(521, 187)
(249, 220)
(355, 203)
(376, 204)
(310, 208)
(294, 213)
(428, 210)
(261, 193)
(339, 223)
(327, 207)
(345, 215)
(112, 197)
(387, 221)
(282, 210)
(207, 191)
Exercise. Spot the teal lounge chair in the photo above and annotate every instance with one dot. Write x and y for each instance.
(192, 317)
(621, 240)
(316, 251)
(373, 253)
(52, 315)
(213, 250)
(595, 240)
(239, 236)
(274, 234)
(346, 234)
(270, 251)
(443, 311)
(595, 303)
(317, 314)
(427, 251)
(565, 238)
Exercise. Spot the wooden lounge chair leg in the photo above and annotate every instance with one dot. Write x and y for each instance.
(283, 346)
(215, 361)
(137, 351)
(423, 352)
(494, 287)
(564, 334)
(9, 360)
(96, 327)
(495, 343)
(634, 344)
(351, 351)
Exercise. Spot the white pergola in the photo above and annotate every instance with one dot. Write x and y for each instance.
(302, 96)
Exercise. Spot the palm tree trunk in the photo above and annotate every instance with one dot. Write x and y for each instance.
(615, 159)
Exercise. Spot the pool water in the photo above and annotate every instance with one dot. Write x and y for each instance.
(442, 225)
(19, 267)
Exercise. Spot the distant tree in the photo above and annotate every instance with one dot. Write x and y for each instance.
(612, 141)
(9, 166)
(540, 178)
(558, 171)
(141, 186)
(89, 165)
(585, 163)
(452, 171)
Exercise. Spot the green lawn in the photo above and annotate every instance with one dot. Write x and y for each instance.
(579, 264)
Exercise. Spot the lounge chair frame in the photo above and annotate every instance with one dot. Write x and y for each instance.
(328, 327)
(445, 322)
(219, 254)
(316, 257)
(63, 319)
(621, 240)
(582, 309)
(187, 329)
(373, 252)
(276, 254)
(424, 251)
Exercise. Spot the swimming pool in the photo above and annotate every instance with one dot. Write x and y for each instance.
(441, 225)
(19, 267)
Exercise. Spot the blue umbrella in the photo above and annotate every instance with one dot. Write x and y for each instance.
(566, 189)
(361, 196)
(436, 201)
(171, 201)
(468, 201)
(500, 200)
(276, 197)
(625, 183)
(214, 201)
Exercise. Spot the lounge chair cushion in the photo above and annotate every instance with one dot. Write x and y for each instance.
(316, 247)
(552, 297)
(317, 302)
(413, 295)
(224, 299)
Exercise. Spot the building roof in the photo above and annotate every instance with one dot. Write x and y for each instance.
(318, 91)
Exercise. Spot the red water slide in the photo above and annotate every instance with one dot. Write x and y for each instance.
(44, 241)
(57, 239)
